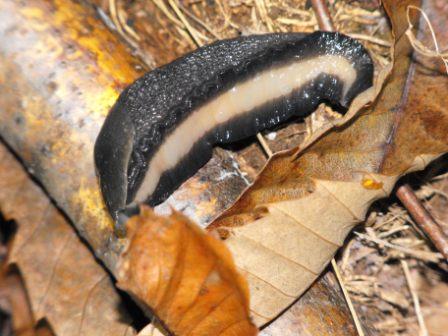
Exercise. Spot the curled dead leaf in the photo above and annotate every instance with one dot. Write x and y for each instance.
(185, 276)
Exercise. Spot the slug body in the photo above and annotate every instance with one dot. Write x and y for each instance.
(163, 127)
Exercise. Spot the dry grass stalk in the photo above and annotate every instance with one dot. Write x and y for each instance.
(415, 299)
(423, 255)
(419, 46)
(341, 281)
(117, 16)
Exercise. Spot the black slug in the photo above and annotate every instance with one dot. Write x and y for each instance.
(162, 128)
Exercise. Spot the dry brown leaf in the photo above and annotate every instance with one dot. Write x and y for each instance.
(187, 277)
(14, 302)
(287, 226)
(64, 283)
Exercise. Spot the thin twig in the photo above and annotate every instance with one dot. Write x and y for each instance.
(347, 297)
(190, 29)
(199, 22)
(114, 16)
(262, 10)
(423, 218)
(129, 30)
(420, 47)
(118, 23)
(371, 39)
(418, 311)
(323, 15)
(162, 6)
(422, 255)
(264, 145)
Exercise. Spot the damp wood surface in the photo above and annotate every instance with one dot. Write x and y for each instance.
(60, 74)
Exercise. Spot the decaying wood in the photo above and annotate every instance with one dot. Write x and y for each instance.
(60, 72)
(64, 283)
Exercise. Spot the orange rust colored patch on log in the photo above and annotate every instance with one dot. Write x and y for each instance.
(61, 71)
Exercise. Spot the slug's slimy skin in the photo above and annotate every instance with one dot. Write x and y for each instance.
(163, 127)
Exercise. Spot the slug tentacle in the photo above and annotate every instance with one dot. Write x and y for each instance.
(167, 122)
